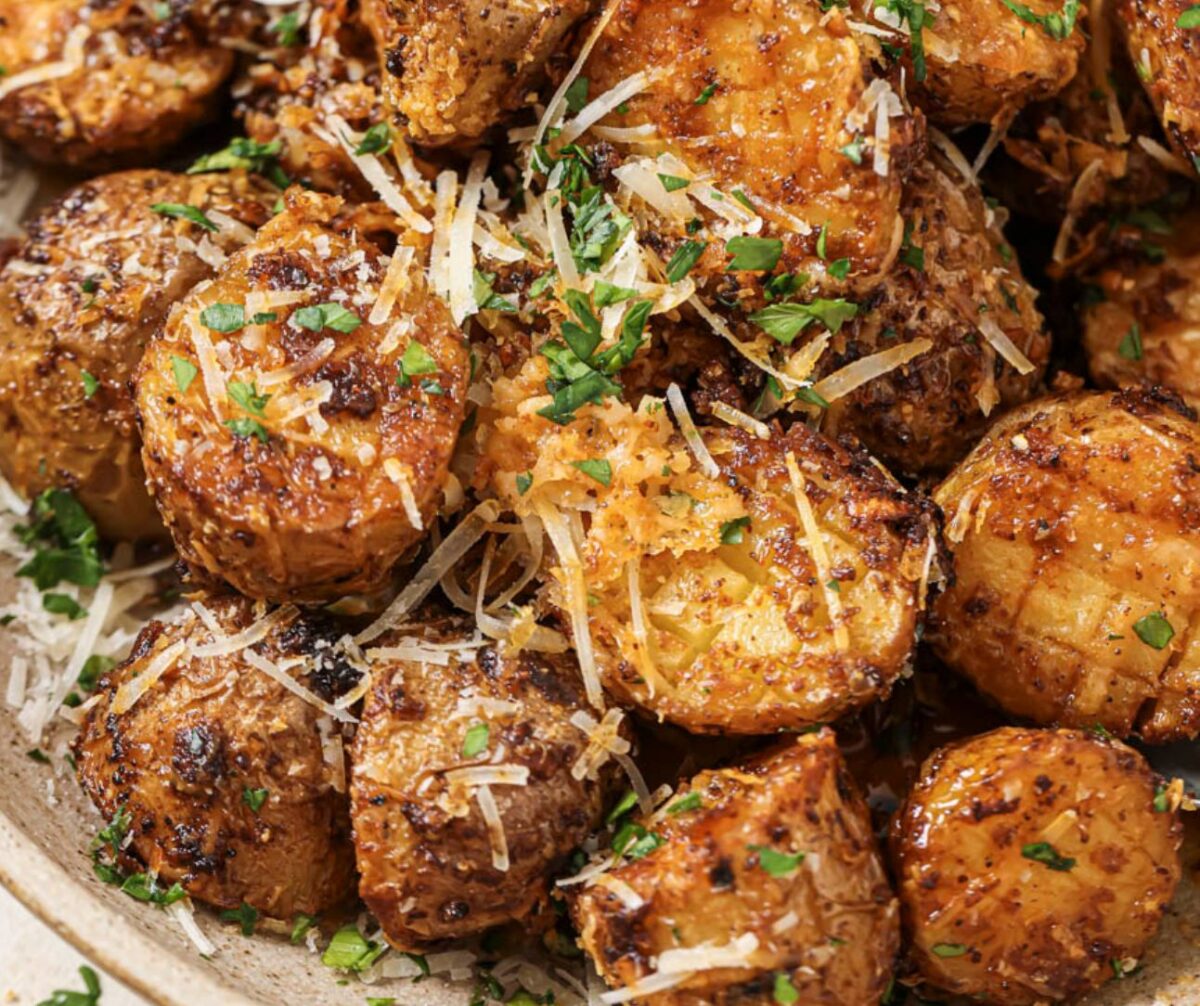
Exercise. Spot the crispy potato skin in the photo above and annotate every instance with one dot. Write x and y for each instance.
(786, 78)
(755, 650)
(145, 83)
(424, 852)
(1075, 518)
(982, 61)
(306, 516)
(93, 279)
(1163, 300)
(1151, 26)
(705, 884)
(453, 68)
(955, 274)
(210, 729)
(1032, 933)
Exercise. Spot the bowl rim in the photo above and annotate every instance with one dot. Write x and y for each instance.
(102, 935)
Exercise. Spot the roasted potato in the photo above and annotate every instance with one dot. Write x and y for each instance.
(958, 289)
(101, 85)
(1034, 865)
(1139, 325)
(299, 412)
(1076, 556)
(1164, 52)
(453, 68)
(79, 300)
(754, 884)
(706, 603)
(445, 705)
(759, 100)
(976, 60)
(233, 785)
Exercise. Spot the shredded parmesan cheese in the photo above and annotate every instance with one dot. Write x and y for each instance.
(735, 417)
(72, 60)
(495, 827)
(282, 677)
(461, 258)
(133, 689)
(695, 442)
(1003, 344)
(854, 375)
(816, 546)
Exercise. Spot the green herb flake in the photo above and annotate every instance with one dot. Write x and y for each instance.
(1190, 18)
(733, 532)
(744, 199)
(246, 428)
(1131, 344)
(244, 915)
(1162, 802)
(854, 150)
(705, 96)
(684, 258)
(254, 798)
(691, 801)
(67, 545)
(1046, 854)
(224, 318)
(1154, 630)
(577, 94)
(246, 155)
(607, 294)
(301, 924)
(287, 28)
(524, 481)
(143, 887)
(37, 755)
(777, 864)
(185, 372)
(1058, 24)
(486, 299)
(415, 362)
(756, 254)
(90, 384)
(375, 140)
(948, 949)
(673, 183)
(349, 950)
(595, 468)
(476, 740)
(247, 396)
(89, 997)
(783, 322)
(330, 315)
(785, 992)
(810, 395)
(622, 807)
(63, 604)
(840, 268)
(181, 211)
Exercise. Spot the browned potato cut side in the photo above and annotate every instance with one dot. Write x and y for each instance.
(432, 865)
(706, 602)
(759, 99)
(957, 285)
(1144, 328)
(79, 300)
(1034, 865)
(220, 769)
(288, 451)
(1076, 550)
(107, 85)
(762, 879)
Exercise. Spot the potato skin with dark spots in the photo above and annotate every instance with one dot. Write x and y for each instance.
(318, 510)
(83, 293)
(1072, 522)
(144, 85)
(182, 758)
(982, 918)
(706, 884)
(423, 848)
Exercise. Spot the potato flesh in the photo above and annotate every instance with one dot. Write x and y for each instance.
(1069, 524)
(830, 925)
(983, 917)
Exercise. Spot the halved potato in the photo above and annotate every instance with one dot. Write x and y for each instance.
(445, 706)
(757, 884)
(296, 447)
(97, 86)
(1034, 865)
(79, 301)
(221, 774)
(1077, 564)
(707, 598)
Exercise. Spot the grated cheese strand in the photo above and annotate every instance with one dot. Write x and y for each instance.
(134, 688)
(854, 375)
(495, 827)
(816, 547)
(695, 442)
(461, 257)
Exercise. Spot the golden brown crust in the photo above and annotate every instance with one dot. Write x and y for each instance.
(781, 82)
(1140, 330)
(1166, 55)
(424, 851)
(829, 927)
(454, 68)
(144, 83)
(955, 275)
(1071, 523)
(297, 508)
(981, 849)
(83, 294)
(210, 731)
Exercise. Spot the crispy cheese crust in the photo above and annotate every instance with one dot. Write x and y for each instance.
(425, 854)
(210, 731)
(96, 275)
(1033, 865)
(828, 925)
(1076, 538)
(309, 494)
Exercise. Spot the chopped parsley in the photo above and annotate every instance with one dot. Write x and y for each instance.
(182, 211)
(476, 740)
(595, 468)
(597, 228)
(90, 384)
(756, 254)
(692, 801)
(185, 372)
(948, 949)
(143, 887)
(785, 993)
(37, 755)
(811, 396)
(524, 482)
(635, 842)
(247, 396)
(684, 258)
(301, 924)
(245, 428)
(917, 17)
(840, 268)
(245, 915)
(1154, 630)
(330, 315)
(673, 183)
(287, 28)
(254, 798)
(246, 155)
(349, 950)
(913, 255)
(89, 997)
(375, 140)
(854, 150)
(486, 299)
(733, 532)
(705, 96)
(1131, 345)
(606, 294)
(63, 604)
(783, 322)
(622, 807)
(1190, 18)
(415, 362)
(66, 540)
(577, 94)
(1162, 802)
(1045, 853)
(1057, 24)
(224, 318)
(777, 864)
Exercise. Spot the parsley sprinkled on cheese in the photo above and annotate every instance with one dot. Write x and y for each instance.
(1154, 630)
(758, 254)
(331, 315)
(182, 211)
(224, 318)
(375, 140)
(247, 396)
(185, 372)
(783, 322)
(416, 362)
(777, 864)
(685, 257)
(595, 468)
(733, 531)
(692, 801)
(476, 740)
